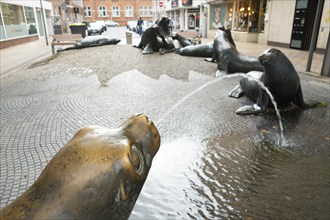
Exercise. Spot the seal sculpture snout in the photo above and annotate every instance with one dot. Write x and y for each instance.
(97, 175)
(268, 55)
(144, 134)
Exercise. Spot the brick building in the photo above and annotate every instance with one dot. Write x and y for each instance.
(119, 10)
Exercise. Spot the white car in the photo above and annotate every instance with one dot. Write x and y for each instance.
(131, 25)
(112, 23)
(102, 23)
(146, 25)
(94, 28)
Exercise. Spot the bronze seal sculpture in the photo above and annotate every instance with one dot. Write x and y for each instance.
(97, 175)
(229, 60)
(280, 77)
(156, 37)
(205, 50)
(92, 41)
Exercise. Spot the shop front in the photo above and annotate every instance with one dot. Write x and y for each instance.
(245, 18)
(20, 23)
(185, 14)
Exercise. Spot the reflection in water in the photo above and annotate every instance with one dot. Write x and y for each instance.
(230, 178)
(213, 164)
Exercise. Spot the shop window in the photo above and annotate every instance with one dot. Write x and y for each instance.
(30, 20)
(242, 15)
(102, 11)
(229, 16)
(2, 29)
(88, 11)
(128, 11)
(191, 21)
(247, 16)
(115, 11)
(262, 16)
(221, 16)
(13, 19)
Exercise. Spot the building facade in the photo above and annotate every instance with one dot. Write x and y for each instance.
(271, 22)
(118, 10)
(66, 12)
(186, 14)
(24, 21)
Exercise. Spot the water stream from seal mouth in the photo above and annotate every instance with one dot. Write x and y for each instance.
(282, 139)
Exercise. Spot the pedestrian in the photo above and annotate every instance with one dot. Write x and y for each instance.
(140, 25)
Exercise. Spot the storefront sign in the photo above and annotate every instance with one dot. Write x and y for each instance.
(186, 2)
(193, 10)
(174, 3)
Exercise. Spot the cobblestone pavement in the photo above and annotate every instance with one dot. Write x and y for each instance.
(43, 106)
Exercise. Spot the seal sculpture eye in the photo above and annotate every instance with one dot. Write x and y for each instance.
(136, 159)
(97, 175)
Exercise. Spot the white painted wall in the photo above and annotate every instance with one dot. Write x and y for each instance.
(324, 26)
(281, 21)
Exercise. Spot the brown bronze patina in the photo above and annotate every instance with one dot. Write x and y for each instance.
(97, 175)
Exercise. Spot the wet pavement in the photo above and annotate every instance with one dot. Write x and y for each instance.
(212, 163)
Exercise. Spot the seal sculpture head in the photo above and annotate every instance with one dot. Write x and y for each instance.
(97, 175)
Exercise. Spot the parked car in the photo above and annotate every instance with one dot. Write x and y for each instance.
(104, 26)
(131, 25)
(94, 28)
(112, 23)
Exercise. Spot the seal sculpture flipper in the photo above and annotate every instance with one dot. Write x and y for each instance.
(248, 86)
(148, 49)
(97, 175)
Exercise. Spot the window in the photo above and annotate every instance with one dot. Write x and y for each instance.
(102, 11)
(150, 11)
(141, 11)
(146, 11)
(2, 30)
(244, 16)
(13, 18)
(247, 16)
(88, 11)
(115, 11)
(128, 11)
(30, 20)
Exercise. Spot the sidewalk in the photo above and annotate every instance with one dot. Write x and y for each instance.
(21, 55)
